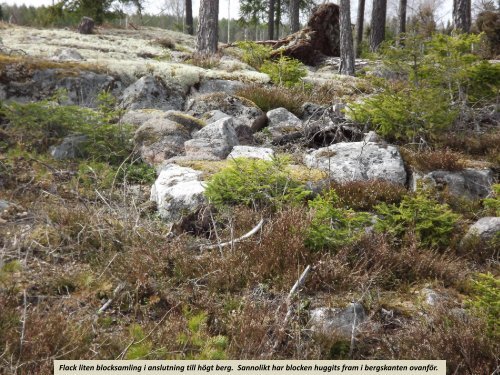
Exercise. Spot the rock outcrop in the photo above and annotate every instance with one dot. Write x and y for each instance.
(152, 93)
(358, 161)
(214, 142)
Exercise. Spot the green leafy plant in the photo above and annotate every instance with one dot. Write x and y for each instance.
(331, 226)
(37, 126)
(197, 343)
(254, 182)
(254, 54)
(492, 203)
(486, 300)
(285, 71)
(433, 223)
(406, 114)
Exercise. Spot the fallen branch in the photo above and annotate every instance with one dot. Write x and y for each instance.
(117, 290)
(229, 243)
(301, 280)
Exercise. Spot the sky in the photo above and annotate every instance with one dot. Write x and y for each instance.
(155, 6)
(152, 6)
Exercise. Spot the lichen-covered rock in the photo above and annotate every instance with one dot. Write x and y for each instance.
(486, 228)
(151, 92)
(67, 54)
(358, 161)
(177, 192)
(214, 142)
(283, 125)
(251, 152)
(160, 138)
(337, 322)
(70, 148)
(246, 115)
(468, 183)
(81, 87)
(219, 85)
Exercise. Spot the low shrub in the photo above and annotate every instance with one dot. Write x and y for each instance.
(492, 203)
(406, 115)
(37, 126)
(431, 160)
(204, 61)
(254, 54)
(332, 227)
(364, 195)
(432, 223)
(165, 42)
(255, 183)
(285, 71)
(268, 98)
(485, 301)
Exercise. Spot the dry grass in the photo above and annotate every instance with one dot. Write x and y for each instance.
(484, 145)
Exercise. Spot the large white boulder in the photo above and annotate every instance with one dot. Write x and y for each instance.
(177, 192)
(251, 152)
(337, 322)
(214, 142)
(358, 161)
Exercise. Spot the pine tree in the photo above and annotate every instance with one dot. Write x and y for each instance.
(462, 15)
(359, 25)
(208, 27)
(346, 43)
(379, 12)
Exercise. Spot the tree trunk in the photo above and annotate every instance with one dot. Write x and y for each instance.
(402, 16)
(208, 28)
(359, 26)
(294, 16)
(277, 20)
(189, 17)
(377, 35)
(270, 23)
(346, 42)
(462, 15)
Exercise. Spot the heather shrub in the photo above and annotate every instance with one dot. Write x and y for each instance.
(271, 97)
(364, 195)
(431, 160)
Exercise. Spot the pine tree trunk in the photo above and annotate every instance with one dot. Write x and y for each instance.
(277, 20)
(346, 42)
(270, 22)
(379, 12)
(208, 28)
(189, 17)
(294, 16)
(402, 16)
(359, 25)
(462, 15)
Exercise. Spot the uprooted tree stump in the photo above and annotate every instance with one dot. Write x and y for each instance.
(319, 39)
(86, 25)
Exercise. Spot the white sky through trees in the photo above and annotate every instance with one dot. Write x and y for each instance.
(443, 13)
